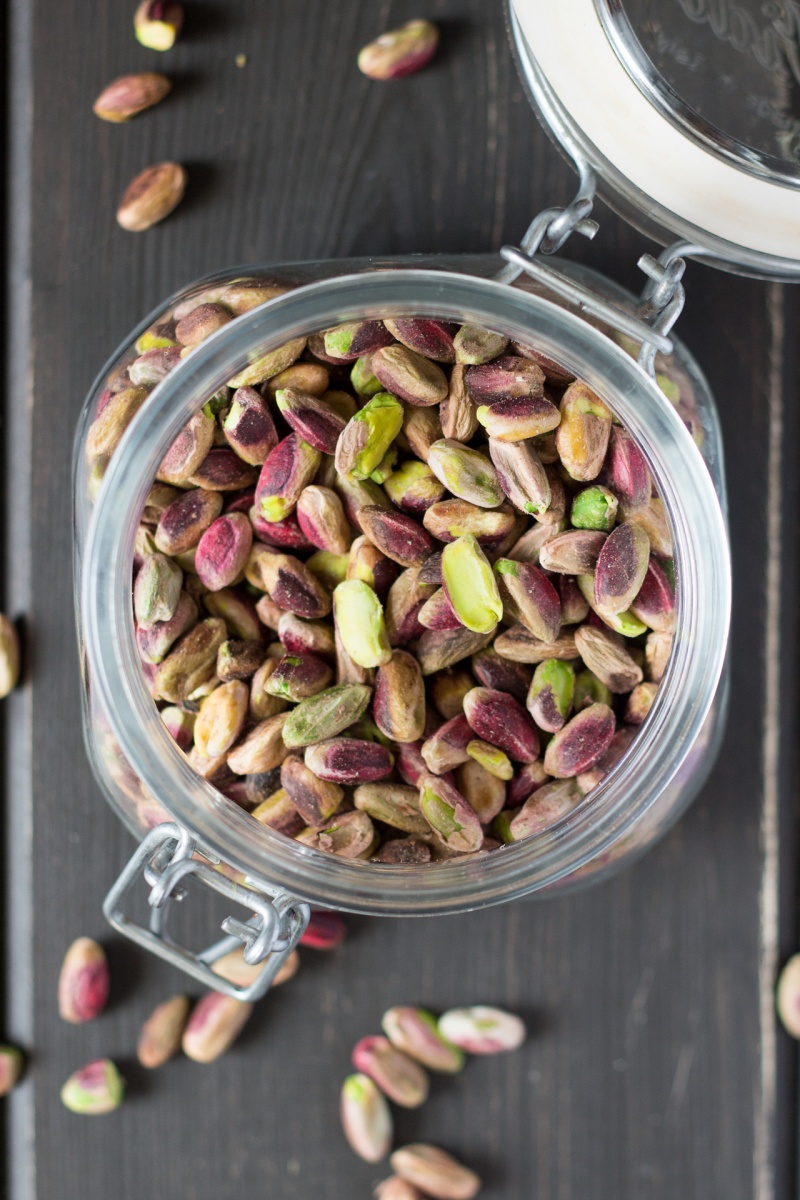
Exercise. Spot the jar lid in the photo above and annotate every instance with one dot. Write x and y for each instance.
(688, 110)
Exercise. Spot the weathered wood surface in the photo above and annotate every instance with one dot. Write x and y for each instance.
(654, 1069)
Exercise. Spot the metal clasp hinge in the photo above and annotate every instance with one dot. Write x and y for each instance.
(165, 858)
(662, 298)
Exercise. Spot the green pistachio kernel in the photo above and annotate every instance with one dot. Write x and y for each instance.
(471, 585)
(359, 620)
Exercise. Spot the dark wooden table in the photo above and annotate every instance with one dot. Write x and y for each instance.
(655, 1069)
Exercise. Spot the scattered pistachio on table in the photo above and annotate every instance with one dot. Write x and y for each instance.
(94, 1089)
(151, 196)
(161, 1034)
(332, 590)
(131, 94)
(83, 982)
(12, 1064)
(787, 996)
(435, 1172)
(213, 1026)
(9, 656)
(400, 52)
(157, 23)
(366, 1118)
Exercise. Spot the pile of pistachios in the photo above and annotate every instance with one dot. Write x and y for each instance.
(403, 590)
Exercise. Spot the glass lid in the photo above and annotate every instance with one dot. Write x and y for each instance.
(688, 111)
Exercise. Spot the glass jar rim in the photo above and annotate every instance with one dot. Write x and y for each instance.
(685, 695)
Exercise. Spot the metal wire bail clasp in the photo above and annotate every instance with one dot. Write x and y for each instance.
(662, 299)
(169, 855)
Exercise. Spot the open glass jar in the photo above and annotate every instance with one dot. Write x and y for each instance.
(151, 782)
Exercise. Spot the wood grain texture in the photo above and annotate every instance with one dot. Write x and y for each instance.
(644, 1077)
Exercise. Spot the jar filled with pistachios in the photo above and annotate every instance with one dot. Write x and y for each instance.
(401, 590)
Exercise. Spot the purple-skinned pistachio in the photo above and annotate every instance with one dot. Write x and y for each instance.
(556, 511)
(522, 475)
(298, 676)
(413, 487)
(223, 471)
(528, 547)
(582, 436)
(536, 603)
(499, 719)
(553, 372)
(501, 674)
(528, 778)
(222, 718)
(582, 743)
(458, 411)
(348, 342)
(652, 518)
(286, 533)
(410, 764)
(654, 603)
(396, 535)
(157, 23)
(431, 570)
(153, 366)
(475, 346)
(293, 587)
(574, 552)
(658, 649)
(551, 693)
(547, 805)
(625, 471)
(438, 612)
(621, 568)
(93, 1090)
(357, 494)
(311, 419)
(349, 761)
(288, 468)
(516, 418)
(410, 376)
(366, 1118)
(155, 641)
(157, 590)
(610, 662)
(262, 704)
(129, 95)
(623, 623)
(223, 551)
(188, 450)
(508, 377)
(427, 336)
(248, 427)
(447, 747)
(398, 703)
(449, 816)
(159, 498)
(399, 52)
(321, 518)
(315, 799)
(399, 1077)
(466, 473)
(83, 983)
(184, 521)
(305, 637)
(447, 520)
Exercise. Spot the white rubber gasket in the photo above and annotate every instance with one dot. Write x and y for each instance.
(581, 66)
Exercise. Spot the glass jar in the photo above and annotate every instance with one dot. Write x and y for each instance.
(149, 780)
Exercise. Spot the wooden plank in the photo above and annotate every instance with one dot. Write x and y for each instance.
(654, 1069)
